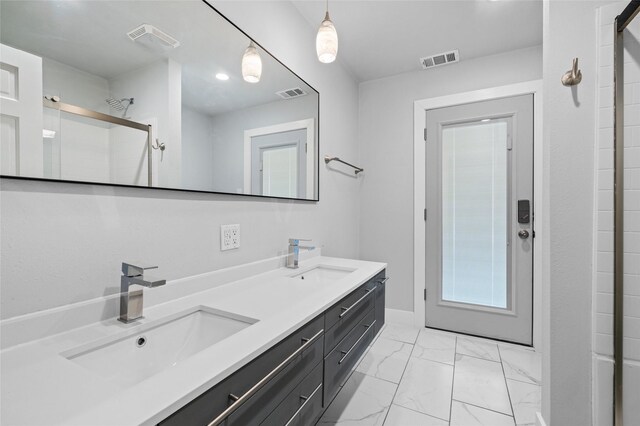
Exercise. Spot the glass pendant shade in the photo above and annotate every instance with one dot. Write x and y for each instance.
(327, 41)
(251, 64)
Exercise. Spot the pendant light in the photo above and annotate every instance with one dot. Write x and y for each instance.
(327, 40)
(251, 64)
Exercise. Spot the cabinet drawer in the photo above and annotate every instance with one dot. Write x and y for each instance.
(339, 363)
(347, 322)
(206, 407)
(301, 406)
(310, 414)
(260, 405)
(348, 306)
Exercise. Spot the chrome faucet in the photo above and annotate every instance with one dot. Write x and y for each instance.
(131, 302)
(294, 252)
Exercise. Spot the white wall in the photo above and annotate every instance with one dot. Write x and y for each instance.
(156, 89)
(197, 150)
(75, 86)
(386, 153)
(569, 142)
(603, 282)
(63, 243)
(81, 146)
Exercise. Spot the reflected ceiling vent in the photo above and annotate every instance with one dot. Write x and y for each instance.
(296, 92)
(440, 59)
(149, 33)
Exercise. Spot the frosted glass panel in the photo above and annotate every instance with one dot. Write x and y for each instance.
(280, 171)
(474, 213)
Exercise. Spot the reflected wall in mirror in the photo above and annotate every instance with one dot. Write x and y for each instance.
(149, 93)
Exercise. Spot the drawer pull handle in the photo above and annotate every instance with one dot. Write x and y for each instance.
(306, 400)
(255, 388)
(345, 354)
(346, 310)
(384, 280)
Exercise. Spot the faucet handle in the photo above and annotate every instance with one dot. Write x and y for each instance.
(131, 270)
(296, 241)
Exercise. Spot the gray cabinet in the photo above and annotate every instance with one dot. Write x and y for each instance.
(297, 391)
(348, 306)
(340, 361)
(359, 308)
(303, 405)
(206, 407)
(350, 326)
(276, 390)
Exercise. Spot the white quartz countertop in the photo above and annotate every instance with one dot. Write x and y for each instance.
(40, 386)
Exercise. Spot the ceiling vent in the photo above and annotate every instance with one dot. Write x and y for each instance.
(440, 59)
(147, 31)
(296, 92)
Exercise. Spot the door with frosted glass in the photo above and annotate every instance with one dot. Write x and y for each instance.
(479, 198)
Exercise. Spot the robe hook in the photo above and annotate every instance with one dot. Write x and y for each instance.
(572, 77)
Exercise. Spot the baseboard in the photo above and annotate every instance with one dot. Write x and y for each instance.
(396, 316)
(540, 420)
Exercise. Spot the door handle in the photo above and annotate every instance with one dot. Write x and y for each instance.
(524, 234)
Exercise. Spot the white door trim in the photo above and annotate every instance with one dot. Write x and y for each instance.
(279, 128)
(25, 106)
(419, 225)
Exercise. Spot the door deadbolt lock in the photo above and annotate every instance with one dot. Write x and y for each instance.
(524, 234)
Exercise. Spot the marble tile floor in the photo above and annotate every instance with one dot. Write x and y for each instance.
(422, 377)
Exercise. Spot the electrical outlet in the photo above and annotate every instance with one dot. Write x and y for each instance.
(235, 236)
(229, 237)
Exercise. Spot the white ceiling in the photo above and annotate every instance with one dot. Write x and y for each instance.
(91, 36)
(382, 38)
(377, 39)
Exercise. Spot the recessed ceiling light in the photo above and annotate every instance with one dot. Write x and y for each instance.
(222, 76)
(485, 120)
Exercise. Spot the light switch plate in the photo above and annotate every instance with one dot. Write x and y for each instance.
(229, 237)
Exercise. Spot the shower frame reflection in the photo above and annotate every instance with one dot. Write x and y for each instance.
(53, 103)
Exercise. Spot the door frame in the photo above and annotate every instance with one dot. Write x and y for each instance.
(419, 190)
(27, 103)
(308, 124)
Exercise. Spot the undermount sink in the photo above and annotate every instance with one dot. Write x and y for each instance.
(322, 274)
(148, 349)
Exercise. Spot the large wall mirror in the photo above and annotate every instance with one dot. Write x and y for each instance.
(151, 93)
